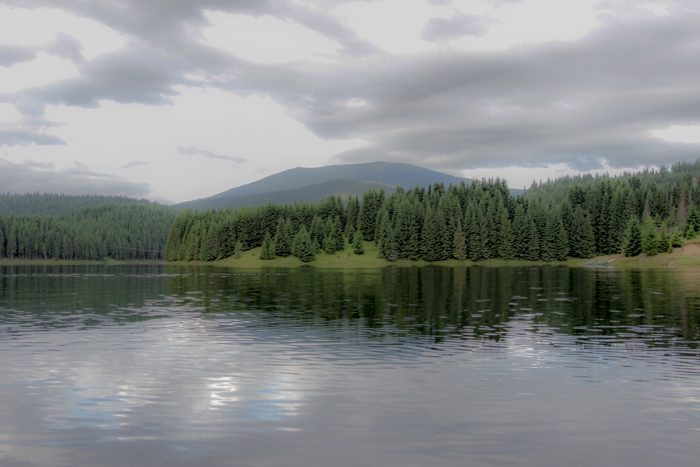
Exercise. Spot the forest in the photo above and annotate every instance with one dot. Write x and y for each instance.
(65, 227)
(647, 212)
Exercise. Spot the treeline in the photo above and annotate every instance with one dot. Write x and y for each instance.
(54, 204)
(122, 231)
(578, 217)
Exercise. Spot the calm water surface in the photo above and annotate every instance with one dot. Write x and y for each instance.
(159, 366)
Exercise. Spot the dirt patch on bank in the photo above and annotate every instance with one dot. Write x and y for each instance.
(688, 250)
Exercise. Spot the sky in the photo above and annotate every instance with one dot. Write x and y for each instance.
(173, 100)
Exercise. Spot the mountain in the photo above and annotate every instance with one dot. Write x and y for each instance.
(314, 184)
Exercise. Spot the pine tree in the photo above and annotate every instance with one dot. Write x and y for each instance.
(338, 234)
(318, 230)
(522, 233)
(358, 246)
(390, 246)
(283, 238)
(632, 245)
(268, 250)
(555, 243)
(581, 239)
(459, 244)
(505, 246)
(302, 245)
(663, 240)
(431, 237)
(649, 237)
(372, 202)
(329, 244)
(353, 213)
(692, 227)
(238, 249)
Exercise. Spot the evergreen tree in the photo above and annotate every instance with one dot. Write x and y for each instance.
(318, 230)
(692, 227)
(663, 241)
(283, 238)
(330, 245)
(353, 214)
(357, 245)
(633, 238)
(238, 249)
(649, 237)
(555, 244)
(522, 233)
(581, 240)
(372, 202)
(268, 249)
(338, 234)
(459, 244)
(505, 246)
(302, 245)
(431, 237)
(390, 246)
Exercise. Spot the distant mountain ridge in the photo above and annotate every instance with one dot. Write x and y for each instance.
(303, 184)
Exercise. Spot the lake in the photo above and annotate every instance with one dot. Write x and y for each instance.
(178, 366)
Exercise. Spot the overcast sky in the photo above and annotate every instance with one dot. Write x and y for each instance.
(179, 99)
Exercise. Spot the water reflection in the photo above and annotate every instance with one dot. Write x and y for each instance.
(658, 307)
(117, 366)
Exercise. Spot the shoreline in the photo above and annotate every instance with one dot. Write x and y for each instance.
(685, 257)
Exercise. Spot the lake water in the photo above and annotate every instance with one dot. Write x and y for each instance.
(160, 366)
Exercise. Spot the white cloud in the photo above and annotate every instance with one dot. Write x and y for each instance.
(38, 26)
(266, 39)
(679, 134)
(395, 26)
(43, 70)
(255, 128)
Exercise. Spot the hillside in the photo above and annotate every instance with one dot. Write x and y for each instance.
(53, 204)
(52, 226)
(648, 213)
(315, 184)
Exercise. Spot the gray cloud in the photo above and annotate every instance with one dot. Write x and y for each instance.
(132, 164)
(445, 29)
(12, 54)
(191, 151)
(27, 177)
(587, 103)
(17, 136)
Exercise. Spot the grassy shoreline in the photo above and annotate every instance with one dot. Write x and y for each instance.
(686, 257)
(77, 262)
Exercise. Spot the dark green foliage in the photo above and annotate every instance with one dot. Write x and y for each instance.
(431, 237)
(505, 245)
(238, 250)
(84, 227)
(692, 227)
(358, 246)
(372, 202)
(267, 251)
(555, 244)
(283, 238)
(633, 238)
(655, 240)
(302, 246)
(459, 243)
(574, 216)
(581, 237)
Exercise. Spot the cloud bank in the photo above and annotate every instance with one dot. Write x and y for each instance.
(588, 103)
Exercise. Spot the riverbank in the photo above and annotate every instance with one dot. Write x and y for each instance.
(687, 256)
(75, 262)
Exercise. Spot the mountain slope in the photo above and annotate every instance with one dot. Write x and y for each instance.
(314, 184)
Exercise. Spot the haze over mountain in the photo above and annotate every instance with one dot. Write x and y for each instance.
(314, 184)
